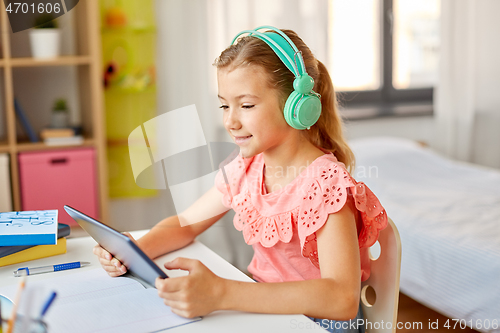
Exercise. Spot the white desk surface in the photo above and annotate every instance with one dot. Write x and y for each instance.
(80, 249)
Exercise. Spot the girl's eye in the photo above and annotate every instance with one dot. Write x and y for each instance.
(248, 106)
(223, 107)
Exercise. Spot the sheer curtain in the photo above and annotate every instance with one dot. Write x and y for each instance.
(455, 95)
(467, 102)
(191, 34)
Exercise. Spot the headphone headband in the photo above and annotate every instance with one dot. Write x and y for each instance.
(274, 41)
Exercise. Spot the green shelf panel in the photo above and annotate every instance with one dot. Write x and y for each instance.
(121, 178)
(128, 37)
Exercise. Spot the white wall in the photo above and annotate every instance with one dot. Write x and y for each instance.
(414, 128)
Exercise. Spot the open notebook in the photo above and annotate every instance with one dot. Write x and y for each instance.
(91, 301)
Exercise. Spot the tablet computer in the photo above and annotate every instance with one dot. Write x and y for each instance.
(120, 246)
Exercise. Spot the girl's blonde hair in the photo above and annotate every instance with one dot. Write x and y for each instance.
(327, 132)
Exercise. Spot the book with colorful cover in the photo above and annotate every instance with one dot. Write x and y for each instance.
(37, 227)
(35, 252)
(63, 230)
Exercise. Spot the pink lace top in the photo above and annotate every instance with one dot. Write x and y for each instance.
(281, 225)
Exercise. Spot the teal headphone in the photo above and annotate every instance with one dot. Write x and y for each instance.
(303, 106)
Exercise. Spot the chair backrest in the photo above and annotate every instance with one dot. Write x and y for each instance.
(381, 314)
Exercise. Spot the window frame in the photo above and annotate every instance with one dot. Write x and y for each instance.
(387, 100)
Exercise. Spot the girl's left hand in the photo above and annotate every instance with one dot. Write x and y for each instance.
(196, 294)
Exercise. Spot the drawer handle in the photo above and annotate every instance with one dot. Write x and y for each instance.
(59, 160)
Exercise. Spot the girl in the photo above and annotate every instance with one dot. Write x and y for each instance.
(309, 222)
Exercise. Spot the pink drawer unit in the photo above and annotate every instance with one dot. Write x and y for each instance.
(50, 180)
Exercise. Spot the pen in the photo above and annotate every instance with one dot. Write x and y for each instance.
(12, 318)
(48, 303)
(52, 268)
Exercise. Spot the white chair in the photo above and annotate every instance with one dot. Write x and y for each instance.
(381, 311)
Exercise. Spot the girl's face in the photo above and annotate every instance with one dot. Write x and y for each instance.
(252, 115)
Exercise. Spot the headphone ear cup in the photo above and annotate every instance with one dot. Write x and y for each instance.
(289, 109)
(307, 109)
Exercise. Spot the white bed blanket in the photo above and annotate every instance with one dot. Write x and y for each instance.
(448, 216)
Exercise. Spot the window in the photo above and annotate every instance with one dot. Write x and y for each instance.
(384, 55)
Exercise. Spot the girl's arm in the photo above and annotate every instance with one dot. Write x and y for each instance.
(334, 296)
(178, 231)
(168, 235)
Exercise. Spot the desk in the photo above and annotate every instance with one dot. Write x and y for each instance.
(80, 249)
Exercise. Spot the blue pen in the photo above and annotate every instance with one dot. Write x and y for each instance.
(48, 303)
(47, 269)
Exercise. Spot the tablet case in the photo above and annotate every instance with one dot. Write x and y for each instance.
(122, 247)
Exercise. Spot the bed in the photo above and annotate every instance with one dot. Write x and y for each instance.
(448, 216)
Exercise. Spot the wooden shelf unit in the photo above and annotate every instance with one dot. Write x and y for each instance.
(60, 61)
(91, 102)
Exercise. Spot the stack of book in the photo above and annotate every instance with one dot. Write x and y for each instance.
(31, 235)
(61, 136)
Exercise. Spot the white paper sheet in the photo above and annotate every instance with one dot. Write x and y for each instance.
(91, 301)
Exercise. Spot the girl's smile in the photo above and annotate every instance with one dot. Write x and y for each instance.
(241, 140)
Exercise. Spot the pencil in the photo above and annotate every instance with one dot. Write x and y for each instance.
(12, 319)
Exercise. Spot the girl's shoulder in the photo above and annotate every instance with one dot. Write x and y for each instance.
(327, 160)
(325, 190)
(325, 171)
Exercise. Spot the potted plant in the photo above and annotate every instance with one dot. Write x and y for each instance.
(45, 38)
(60, 114)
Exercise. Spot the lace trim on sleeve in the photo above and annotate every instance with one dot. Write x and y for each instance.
(328, 194)
(267, 230)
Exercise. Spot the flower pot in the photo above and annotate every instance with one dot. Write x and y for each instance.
(45, 43)
(59, 120)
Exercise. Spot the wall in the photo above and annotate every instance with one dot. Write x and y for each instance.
(414, 128)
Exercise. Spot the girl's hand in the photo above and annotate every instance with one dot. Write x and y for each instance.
(111, 265)
(197, 294)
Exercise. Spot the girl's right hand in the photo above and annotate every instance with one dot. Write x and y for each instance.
(110, 264)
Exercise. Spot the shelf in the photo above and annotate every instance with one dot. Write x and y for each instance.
(60, 61)
(4, 147)
(35, 146)
(137, 28)
(117, 89)
(117, 142)
(76, 76)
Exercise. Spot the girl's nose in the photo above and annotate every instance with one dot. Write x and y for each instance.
(231, 120)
